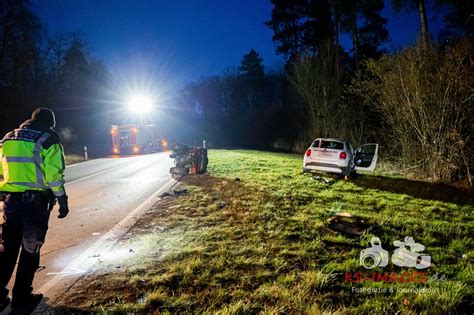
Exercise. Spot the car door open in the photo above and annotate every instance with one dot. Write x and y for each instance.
(365, 157)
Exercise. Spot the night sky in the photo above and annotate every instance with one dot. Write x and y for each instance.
(177, 41)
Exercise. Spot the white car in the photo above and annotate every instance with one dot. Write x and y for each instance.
(337, 156)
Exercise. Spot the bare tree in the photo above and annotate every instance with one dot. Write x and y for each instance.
(320, 82)
(428, 104)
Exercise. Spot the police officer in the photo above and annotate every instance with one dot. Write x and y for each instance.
(32, 165)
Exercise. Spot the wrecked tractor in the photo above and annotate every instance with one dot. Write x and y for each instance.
(187, 159)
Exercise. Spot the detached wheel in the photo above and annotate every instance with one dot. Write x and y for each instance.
(202, 161)
(205, 161)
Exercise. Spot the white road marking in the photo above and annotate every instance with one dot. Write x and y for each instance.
(84, 261)
(71, 272)
(92, 175)
(76, 164)
(82, 210)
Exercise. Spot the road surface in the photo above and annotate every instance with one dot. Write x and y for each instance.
(102, 193)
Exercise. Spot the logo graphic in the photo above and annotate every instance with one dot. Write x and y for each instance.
(374, 256)
(406, 255)
(410, 258)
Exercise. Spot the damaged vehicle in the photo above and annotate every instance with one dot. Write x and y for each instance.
(337, 156)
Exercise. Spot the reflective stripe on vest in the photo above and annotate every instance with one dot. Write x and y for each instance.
(56, 183)
(38, 159)
(31, 185)
(19, 159)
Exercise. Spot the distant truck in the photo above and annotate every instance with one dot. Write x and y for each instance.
(135, 139)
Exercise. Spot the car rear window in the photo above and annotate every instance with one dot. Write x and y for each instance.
(325, 144)
(315, 144)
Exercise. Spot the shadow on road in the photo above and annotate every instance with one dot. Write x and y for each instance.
(64, 310)
(418, 189)
(30, 309)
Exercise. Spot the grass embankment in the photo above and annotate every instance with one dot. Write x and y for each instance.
(74, 159)
(262, 243)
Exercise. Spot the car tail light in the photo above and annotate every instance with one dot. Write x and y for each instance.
(308, 152)
(342, 155)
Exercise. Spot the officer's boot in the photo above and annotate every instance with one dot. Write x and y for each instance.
(22, 291)
(4, 278)
(4, 298)
(9, 248)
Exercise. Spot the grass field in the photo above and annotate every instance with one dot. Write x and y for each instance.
(262, 244)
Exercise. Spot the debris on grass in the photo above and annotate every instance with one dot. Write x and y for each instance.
(347, 223)
(181, 192)
(177, 193)
(324, 180)
(165, 194)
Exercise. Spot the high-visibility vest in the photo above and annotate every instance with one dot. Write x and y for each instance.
(29, 164)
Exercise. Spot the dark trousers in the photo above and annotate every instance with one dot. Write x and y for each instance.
(25, 225)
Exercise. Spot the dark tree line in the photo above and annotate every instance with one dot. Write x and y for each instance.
(238, 108)
(39, 69)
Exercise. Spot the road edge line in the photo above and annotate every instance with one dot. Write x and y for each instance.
(85, 261)
(89, 160)
(92, 175)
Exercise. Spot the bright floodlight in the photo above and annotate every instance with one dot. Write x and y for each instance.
(140, 103)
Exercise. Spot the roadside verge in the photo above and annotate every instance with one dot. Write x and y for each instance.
(84, 262)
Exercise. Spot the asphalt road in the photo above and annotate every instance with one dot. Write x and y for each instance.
(101, 193)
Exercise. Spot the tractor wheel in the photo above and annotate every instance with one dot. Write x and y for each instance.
(205, 161)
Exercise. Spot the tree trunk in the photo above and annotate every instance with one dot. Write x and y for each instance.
(355, 35)
(424, 24)
(336, 22)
